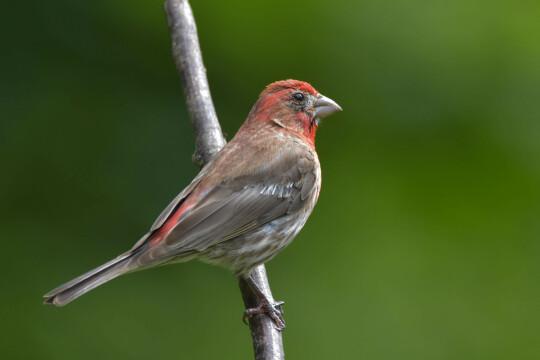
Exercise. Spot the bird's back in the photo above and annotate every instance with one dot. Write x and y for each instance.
(289, 183)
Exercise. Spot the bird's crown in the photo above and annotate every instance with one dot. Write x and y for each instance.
(290, 84)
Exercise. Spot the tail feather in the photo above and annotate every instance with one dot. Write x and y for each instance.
(79, 286)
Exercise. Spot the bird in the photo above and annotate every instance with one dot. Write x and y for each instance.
(245, 205)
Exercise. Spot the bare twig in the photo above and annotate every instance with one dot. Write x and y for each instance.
(267, 341)
(188, 59)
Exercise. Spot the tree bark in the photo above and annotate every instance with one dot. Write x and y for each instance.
(267, 340)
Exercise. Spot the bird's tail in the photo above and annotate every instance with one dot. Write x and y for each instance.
(79, 286)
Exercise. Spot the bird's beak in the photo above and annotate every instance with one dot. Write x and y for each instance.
(325, 106)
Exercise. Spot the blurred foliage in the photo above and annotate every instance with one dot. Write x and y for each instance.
(425, 242)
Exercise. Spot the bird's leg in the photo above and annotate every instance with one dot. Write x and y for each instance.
(266, 306)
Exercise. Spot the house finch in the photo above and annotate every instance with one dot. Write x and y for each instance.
(245, 205)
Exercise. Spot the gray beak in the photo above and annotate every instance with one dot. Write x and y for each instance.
(325, 106)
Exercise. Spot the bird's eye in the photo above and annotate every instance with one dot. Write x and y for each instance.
(298, 96)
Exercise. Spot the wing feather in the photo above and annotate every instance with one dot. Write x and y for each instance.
(239, 206)
(177, 201)
(235, 205)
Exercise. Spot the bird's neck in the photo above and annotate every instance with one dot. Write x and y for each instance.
(300, 124)
(308, 127)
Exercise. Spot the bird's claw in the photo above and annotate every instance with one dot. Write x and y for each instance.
(273, 311)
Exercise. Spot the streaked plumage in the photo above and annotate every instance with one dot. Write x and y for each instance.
(245, 205)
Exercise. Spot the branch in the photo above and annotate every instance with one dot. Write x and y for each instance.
(267, 341)
(188, 59)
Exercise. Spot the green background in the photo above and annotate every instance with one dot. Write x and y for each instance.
(425, 242)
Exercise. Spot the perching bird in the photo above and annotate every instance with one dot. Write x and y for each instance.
(245, 205)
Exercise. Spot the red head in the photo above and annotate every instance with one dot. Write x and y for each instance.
(293, 105)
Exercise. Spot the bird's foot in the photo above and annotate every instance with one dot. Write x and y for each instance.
(273, 311)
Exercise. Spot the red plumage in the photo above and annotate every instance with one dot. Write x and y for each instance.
(245, 205)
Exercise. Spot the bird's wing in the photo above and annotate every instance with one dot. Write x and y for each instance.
(177, 201)
(240, 204)
(173, 205)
